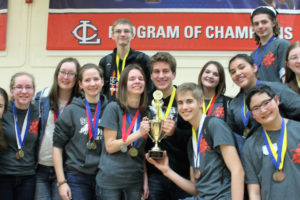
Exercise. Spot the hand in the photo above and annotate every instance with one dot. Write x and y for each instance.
(162, 165)
(144, 127)
(65, 191)
(169, 127)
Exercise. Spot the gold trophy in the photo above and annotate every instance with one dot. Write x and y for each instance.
(156, 135)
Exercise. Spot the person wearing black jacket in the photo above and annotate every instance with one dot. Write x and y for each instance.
(113, 63)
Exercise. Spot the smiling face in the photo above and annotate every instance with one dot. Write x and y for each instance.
(264, 109)
(135, 82)
(243, 73)
(66, 77)
(210, 77)
(162, 76)
(91, 84)
(294, 61)
(122, 34)
(188, 107)
(263, 25)
(22, 91)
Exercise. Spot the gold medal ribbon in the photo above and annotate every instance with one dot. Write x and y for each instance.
(212, 101)
(123, 63)
(282, 147)
(298, 81)
(169, 105)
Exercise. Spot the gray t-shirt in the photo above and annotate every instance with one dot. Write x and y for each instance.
(259, 168)
(9, 164)
(289, 107)
(220, 106)
(215, 180)
(119, 170)
(273, 61)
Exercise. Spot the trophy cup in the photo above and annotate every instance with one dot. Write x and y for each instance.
(156, 135)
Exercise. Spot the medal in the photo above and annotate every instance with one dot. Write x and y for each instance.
(277, 158)
(88, 145)
(21, 134)
(196, 141)
(133, 152)
(246, 132)
(197, 173)
(93, 145)
(279, 176)
(20, 154)
(135, 122)
(92, 124)
(123, 148)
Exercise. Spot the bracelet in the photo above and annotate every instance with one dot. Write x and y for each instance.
(61, 183)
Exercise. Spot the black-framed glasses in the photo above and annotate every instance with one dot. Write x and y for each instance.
(68, 74)
(265, 104)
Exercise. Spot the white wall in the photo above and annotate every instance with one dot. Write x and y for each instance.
(26, 50)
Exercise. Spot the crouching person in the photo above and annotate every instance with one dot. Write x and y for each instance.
(270, 155)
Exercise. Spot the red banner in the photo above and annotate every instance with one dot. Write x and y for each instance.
(162, 31)
(3, 22)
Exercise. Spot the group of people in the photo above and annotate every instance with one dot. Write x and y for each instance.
(86, 136)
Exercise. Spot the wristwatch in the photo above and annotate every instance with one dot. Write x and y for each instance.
(61, 183)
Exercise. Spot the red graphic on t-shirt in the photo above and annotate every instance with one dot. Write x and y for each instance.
(296, 154)
(269, 59)
(219, 112)
(203, 145)
(34, 126)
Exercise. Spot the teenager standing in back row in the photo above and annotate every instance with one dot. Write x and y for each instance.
(270, 54)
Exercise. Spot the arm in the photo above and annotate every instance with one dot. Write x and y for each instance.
(145, 194)
(113, 145)
(64, 189)
(254, 192)
(163, 166)
(233, 163)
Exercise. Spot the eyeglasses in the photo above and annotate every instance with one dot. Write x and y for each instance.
(20, 88)
(265, 104)
(294, 58)
(68, 74)
(119, 31)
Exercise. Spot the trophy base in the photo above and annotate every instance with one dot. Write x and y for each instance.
(157, 154)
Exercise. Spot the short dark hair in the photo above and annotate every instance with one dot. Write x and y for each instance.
(243, 56)
(122, 21)
(259, 89)
(163, 57)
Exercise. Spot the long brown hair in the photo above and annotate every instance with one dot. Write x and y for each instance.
(122, 92)
(290, 76)
(221, 87)
(54, 92)
(3, 143)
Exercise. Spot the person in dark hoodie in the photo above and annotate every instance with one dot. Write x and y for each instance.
(78, 137)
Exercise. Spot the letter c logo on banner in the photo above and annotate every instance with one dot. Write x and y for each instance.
(84, 39)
